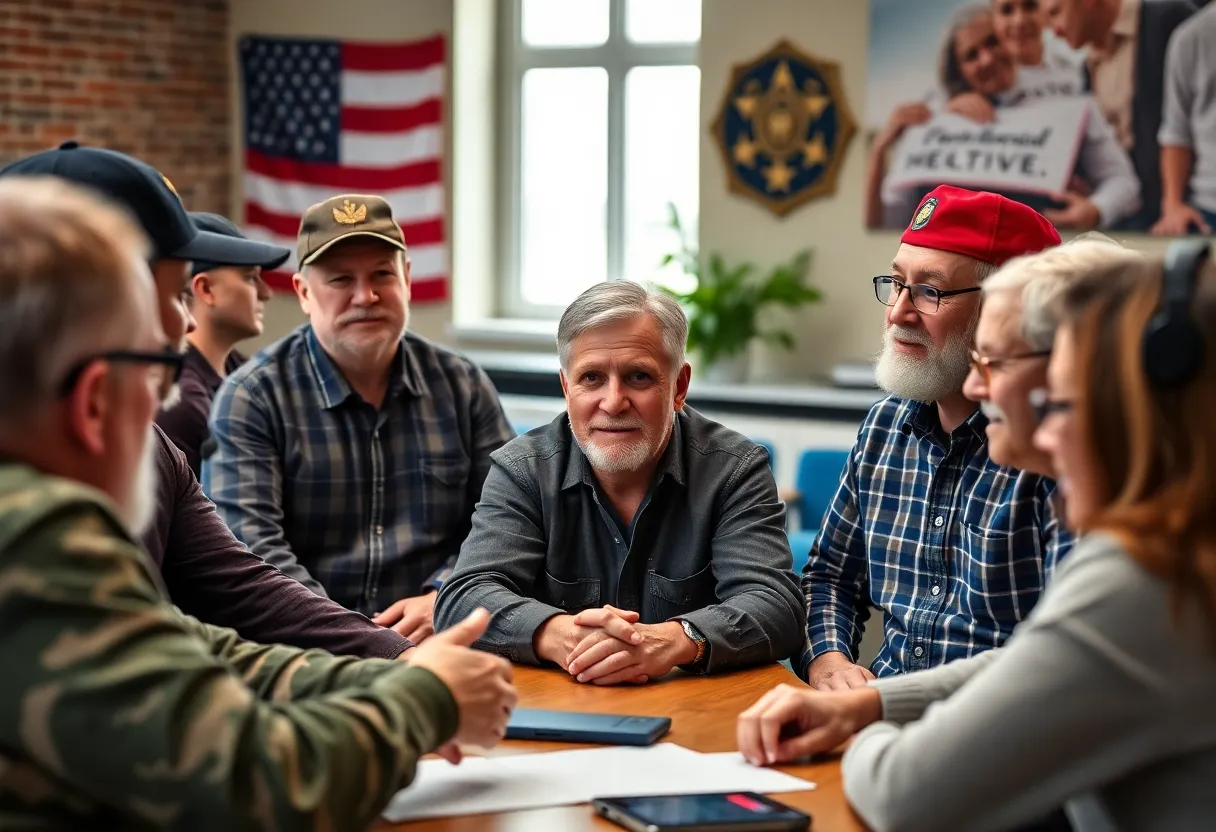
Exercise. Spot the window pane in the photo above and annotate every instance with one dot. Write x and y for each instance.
(563, 183)
(663, 21)
(662, 132)
(566, 22)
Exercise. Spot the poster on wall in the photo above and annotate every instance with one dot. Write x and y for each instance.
(1011, 96)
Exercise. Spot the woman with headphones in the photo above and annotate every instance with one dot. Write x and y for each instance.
(1104, 699)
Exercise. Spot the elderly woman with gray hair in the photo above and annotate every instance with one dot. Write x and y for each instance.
(1013, 342)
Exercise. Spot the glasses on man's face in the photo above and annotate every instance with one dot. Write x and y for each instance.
(985, 364)
(166, 367)
(1043, 405)
(925, 298)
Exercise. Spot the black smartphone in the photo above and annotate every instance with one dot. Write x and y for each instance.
(573, 726)
(741, 811)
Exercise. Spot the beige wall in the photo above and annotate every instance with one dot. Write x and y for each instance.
(845, 255)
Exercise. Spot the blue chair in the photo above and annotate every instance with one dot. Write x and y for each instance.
(818, 478)
(800, 545)
(522, 427)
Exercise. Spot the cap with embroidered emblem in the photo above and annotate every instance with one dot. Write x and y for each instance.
(987, 226)
(147, 194)
(342, 217)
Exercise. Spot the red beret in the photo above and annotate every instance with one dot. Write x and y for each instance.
(986, 226)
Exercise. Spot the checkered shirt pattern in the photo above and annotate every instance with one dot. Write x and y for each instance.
(366, 506)
(953, 549)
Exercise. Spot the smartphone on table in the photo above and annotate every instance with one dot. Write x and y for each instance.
(573, 726)
(736, 811)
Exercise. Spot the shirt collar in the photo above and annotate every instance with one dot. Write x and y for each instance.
(921, 420)
(671, 463)
(333, 385)
(197, 364)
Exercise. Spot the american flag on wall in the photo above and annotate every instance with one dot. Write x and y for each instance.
(324, 117)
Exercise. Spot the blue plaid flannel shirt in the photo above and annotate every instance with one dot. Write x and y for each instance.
(364, 506)
(952, 548)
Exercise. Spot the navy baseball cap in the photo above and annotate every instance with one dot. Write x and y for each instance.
(148, 195)
(272, 256)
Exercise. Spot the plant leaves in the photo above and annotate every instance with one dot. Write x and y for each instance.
(724, 308)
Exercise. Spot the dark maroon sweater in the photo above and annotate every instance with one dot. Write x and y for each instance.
(213, 577)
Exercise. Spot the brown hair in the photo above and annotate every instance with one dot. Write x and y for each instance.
(66, 260)
(1154, 449)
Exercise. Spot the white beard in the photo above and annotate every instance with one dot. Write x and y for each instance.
(139, 508)
(940, 373)
(631, 457)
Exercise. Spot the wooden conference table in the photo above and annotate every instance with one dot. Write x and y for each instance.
(702, 711)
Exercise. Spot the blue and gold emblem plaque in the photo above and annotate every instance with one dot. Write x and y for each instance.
(783, 128)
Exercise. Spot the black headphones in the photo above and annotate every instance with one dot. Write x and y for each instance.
(1173, 345)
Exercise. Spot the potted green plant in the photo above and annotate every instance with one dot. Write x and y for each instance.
(725, 305)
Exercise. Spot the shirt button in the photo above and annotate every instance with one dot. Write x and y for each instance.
(379, 529)
(937, 521)
(918, 652)
(937, 590)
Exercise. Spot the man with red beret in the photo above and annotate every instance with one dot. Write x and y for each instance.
(952, 548)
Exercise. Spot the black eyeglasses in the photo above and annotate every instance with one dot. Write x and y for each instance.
(1044, 405)
(984, 365)
(171, 360)
(925, 298)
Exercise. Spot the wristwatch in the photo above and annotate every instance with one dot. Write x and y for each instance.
(697, 639)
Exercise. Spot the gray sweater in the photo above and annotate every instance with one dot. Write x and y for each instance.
(1101, 701)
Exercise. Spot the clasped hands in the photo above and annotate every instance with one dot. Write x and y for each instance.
(607, 646)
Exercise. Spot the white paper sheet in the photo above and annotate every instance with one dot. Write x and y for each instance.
(561, 778)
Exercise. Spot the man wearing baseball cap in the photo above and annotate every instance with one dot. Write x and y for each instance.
(208, 572)
(226, 302)
(351, 453)
(952, 548)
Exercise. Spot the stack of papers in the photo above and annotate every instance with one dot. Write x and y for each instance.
(561, 778)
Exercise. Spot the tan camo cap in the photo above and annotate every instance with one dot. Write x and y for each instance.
(343, 216)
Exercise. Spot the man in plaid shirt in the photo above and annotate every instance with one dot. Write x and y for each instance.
(351, 453)
(951, 547)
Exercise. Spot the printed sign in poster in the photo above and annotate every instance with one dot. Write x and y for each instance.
(1030, 149)
(1013, 96)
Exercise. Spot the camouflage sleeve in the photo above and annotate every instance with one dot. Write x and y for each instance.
(284, 674)
(114, 706)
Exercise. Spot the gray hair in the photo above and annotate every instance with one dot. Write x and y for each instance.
(66, 260)
(1040, 279)
(949, 73)
(613, 301)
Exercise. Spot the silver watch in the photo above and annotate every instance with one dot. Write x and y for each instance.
(696, 638)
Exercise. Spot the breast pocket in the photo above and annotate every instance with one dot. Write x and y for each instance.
(670, 597)
(446, 483)
(572, 596)
(1003, 572)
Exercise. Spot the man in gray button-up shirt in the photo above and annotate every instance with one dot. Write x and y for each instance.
(631, 535)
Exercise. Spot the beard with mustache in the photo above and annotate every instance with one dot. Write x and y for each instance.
(356, 345)
(634, 455)
(929, 378)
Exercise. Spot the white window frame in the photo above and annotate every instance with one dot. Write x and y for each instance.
(617, 56)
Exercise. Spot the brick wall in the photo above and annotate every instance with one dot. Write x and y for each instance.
(147, 77)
